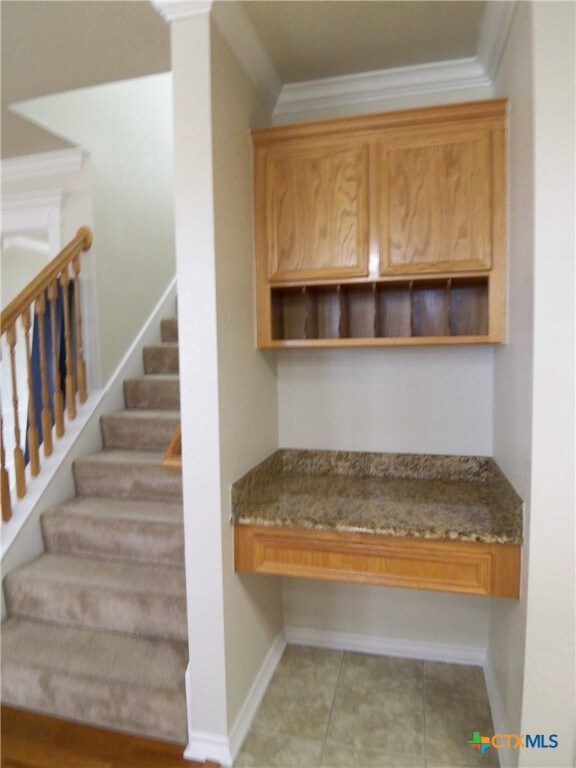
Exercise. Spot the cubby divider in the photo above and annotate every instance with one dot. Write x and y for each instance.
(468, 308)
(394, 310)
(424, 308)
(430, 309)
(360, 302)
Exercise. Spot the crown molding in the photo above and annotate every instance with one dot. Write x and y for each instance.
(246, 44)
(381, 84)
(42, 164)
(37, 245)
(38, 211)
(494, 32)
(43, 198)
(176, 10)
(474, 72)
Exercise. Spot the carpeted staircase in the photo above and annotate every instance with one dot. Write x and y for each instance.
(96, 628)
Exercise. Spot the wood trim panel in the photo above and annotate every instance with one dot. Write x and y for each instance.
(472, 568)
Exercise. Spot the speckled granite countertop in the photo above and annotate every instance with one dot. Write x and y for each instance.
(465, 498)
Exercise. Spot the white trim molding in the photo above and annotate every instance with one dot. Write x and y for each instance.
(36, 211)
(177, 10)
(497, 711)
(256, 693)
(494, 33)
(234, 23)
(37, 245)
(42, 164)
(474, 72)
(385, 646)
(381, 84)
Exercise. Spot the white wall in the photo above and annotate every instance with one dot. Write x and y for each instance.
(549, 678)
(429, 400)
(532, 641)
(422, 400)
(248, 397)
(513, 362)
(229, 404)
(127, 129)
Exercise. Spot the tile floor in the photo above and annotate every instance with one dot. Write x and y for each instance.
(334, 709)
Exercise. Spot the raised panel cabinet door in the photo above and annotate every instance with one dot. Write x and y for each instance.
(436, 201)
(316, 211)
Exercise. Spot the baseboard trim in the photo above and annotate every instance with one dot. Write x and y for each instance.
(256, 694)
(224, 750)
(498, 713)
(205, 746)
(385, 646)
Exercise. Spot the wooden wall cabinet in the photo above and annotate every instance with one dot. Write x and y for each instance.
(382, 229)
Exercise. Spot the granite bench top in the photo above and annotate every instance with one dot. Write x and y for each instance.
(465, 498)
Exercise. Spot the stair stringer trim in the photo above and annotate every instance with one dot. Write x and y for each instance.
(22, 536)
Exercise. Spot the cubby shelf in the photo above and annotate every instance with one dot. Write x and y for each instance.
(412, 310)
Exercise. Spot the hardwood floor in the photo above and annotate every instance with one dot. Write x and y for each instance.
(37, 741)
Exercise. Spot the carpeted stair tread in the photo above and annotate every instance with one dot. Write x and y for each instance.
(116, 528)
(144, 430)
(125, 683)
(97, 626)
(161, 358)
(122, 509)
(135, 598)
(127, 474)
(169, 329)
(156, 391)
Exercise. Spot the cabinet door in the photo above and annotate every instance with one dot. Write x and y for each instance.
(436, 201)
(312, 210)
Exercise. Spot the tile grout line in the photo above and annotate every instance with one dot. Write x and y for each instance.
(332, 708)
(424, 714)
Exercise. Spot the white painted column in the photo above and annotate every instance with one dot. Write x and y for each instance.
(194, 216)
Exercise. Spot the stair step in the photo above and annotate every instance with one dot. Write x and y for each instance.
(116, 529)
(133, 598)
(142, 430)
(161, 358)
(123, 683)
(156, 391)
(136, 475)
(169, 329)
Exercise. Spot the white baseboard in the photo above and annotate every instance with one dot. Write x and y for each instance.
(498, 714)
(205, 746)
(224, 750)
(384, 646)
(256, 694)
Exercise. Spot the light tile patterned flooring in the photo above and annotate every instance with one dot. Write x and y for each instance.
(334, 709)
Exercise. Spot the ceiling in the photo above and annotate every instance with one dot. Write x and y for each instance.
(50, 46)
(313, 39)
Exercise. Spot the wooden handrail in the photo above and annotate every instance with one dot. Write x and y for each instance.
(173, 456)
(81, 242)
